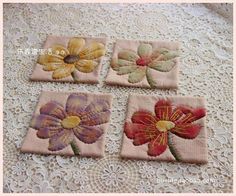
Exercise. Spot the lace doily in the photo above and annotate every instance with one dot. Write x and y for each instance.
(205, 70)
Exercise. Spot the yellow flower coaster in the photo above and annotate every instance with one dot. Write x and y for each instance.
(144, 64)
(69, 124)
(167, 129)
(70, 59)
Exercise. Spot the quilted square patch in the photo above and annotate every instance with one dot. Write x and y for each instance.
(168, 129)
(144, 64)
(70, 59)
(69, 124)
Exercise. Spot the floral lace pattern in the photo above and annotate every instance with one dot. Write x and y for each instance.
(206, 70)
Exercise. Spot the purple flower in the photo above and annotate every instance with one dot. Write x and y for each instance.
(77, 120)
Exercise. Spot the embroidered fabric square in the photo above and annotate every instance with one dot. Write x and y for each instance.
(144, 64)
(70, 59)
(69, 124)
(168, 129)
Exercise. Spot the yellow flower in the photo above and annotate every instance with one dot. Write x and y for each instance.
(63, 61)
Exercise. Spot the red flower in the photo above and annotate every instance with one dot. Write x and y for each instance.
(154, 129)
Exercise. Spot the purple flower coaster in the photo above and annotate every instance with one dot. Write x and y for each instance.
(69, 124)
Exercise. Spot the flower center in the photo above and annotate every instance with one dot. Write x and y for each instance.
(70, 122)
(164, 125)
(70, 59)
(143, 61)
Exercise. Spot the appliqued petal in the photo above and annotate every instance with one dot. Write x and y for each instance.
(176, 114)
(48, 132)
(126, 69)
(58, 49)
(43, 120)
(158, 145)
(145, 50)
(75, 45)
(95, 119)
(87, 134)
(131, 129)
(60, 140)
(168, 54)
(97, 112)
(76, 104)
(63, 71)
(53, 109)
(191, 115)
(86, 66)
(44, 59)
(144, 117)
(163, 109)
(52, 66)
(93, 51)
(187, 131)
(128, 55)
(137, 75)
(163, 66)
(116, 63)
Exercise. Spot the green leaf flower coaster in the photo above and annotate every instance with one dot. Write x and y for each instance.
(168, 129)
(144, 64)
(70, 59)
(69, 124)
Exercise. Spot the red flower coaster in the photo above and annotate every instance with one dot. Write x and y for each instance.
(144, 64)
(70, 59)
(69, 124)
(170, 129)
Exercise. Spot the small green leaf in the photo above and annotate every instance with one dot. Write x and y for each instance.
(75, 76)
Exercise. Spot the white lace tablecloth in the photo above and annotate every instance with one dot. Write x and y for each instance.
(206, 70)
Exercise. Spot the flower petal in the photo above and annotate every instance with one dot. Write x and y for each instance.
(87, 134)
(44, 59)
(163, 109)
(42, 120)
(187, 131)
(58, 49)
(61, 140)
(128, 55)
(86, 66)
(53, 109)
(130, 129)
(52, 66)
(163, 66)
(63, 71)
(97, 106)
(126, 69)
(116, 63)
(158, 145)
(176, 114)
(95, 119)
(168, 54)
(144, 50)
(191, 115)
(93, 51)
(144, 117)
(137, 75)
(76, 104)
(75, 45)
(48, 132)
